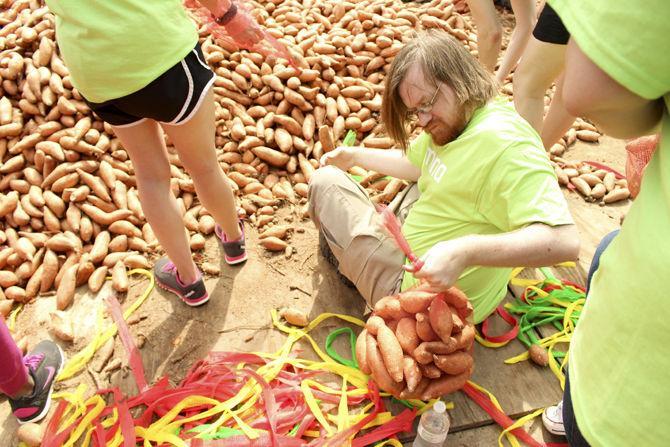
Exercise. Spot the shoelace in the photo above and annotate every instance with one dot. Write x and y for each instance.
(33, 361)
(171, 268)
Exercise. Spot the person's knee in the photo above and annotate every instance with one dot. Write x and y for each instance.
(490, 34)
(155, 176)
(324, 177)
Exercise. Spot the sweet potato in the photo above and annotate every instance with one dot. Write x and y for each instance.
(456, 298)
(294, 316)
(119, 277)
(415, 301)
(361, 351)
(16, 293)
(430, 370)
(31, 434)
(406, 334)
(379, 372)
(97, 279)
(457, 323)
(465, 339)
(424, 329)
(445, 385)
(389, 308)
(454, 363)
(373, 324)
(418, 390)
(66, 288)
(100, 246)
(440, 318)
(391, 352)
(411, 372)
(272, 243)
(271, 156)
(50, 270)
(616, 195)
(538, 355)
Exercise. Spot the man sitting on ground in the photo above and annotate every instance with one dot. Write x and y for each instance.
(485, 199)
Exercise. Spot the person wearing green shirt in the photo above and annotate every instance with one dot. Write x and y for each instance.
(486, 198)
(618, 75)
(140, 68)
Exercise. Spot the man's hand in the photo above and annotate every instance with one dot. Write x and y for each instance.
(443, 264)
(343, 157)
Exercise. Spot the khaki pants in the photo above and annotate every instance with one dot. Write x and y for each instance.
(366, 253)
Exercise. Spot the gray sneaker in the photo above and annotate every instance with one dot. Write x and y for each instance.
(167, 278)
(44, 363)
(234, 252)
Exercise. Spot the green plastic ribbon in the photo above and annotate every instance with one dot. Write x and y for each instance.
(353, 363)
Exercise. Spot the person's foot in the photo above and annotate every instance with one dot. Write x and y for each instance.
(167, 278)
(44, 363)
(234, 252)
(552, 418)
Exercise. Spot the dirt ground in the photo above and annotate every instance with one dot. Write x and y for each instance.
(237, 317)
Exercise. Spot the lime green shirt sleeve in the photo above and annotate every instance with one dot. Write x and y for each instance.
(417, 149)
(523, 190)
(618, 36)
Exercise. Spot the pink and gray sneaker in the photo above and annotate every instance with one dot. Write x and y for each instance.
(167, 278)
(43, 363)
(234, 252)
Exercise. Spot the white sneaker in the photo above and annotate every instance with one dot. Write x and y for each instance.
(552, 418)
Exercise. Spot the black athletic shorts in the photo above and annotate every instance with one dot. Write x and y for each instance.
(550, 28)
(172, 98)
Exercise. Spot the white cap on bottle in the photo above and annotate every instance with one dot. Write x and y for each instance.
(439, 407)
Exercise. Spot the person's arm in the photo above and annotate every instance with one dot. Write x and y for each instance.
(590, 92)
(536, 245)
(391, 162)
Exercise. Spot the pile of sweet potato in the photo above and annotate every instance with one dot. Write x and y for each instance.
(418, 344)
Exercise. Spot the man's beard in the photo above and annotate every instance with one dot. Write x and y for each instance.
(443, 133)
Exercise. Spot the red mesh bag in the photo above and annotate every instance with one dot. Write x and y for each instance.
(639, 152)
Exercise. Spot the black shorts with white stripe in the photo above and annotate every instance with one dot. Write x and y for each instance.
(172, 98)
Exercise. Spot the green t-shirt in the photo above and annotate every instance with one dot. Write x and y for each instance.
(494, 178)
(620, 352)
(116, 47)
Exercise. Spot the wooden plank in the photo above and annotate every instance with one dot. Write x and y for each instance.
(520, 388)
(487, 436)
(575, 274)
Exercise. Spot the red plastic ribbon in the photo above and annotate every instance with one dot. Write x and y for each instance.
(505, 337)
(135, 360)
(402, 422)
(502, 419)
(599, 165)
(392, 225)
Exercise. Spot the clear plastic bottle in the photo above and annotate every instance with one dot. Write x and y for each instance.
(433, 427)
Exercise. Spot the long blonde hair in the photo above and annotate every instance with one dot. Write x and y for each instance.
(443, 59)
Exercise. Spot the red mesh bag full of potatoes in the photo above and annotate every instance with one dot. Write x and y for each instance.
(638, 154)
(418, 345)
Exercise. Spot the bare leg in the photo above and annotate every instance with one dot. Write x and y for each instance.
(524, 15)
(489, 32)
(194, 141)
(146, 147)
(539, 67)
(558, 120)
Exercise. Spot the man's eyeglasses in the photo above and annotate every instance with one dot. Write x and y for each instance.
(426, 107)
